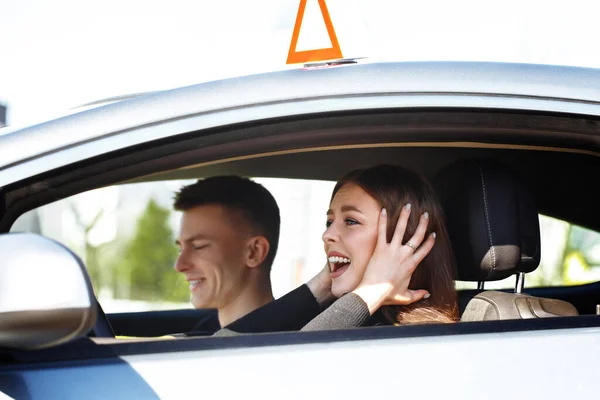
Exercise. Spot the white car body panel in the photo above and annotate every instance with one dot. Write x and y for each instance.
(423, 368)
(469, 366)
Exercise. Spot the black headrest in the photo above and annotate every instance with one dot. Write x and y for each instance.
(491, 218)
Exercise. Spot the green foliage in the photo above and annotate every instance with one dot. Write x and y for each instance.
(148, 259)
(575, 269)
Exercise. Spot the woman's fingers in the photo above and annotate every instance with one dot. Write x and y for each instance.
(424, 249)
(415, 241)
(390, 284)
(382, 228)
(401, 225)
(408, 297)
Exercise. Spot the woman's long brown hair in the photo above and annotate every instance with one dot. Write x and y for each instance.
(392, 187)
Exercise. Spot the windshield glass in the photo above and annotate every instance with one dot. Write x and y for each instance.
(62, 54)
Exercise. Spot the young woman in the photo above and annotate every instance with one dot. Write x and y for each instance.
(389, 261)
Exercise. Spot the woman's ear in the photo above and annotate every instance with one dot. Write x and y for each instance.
(258, 248)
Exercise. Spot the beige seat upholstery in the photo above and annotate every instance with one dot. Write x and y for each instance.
(493, 305)
(494, 229)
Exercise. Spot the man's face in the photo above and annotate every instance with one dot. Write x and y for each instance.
(213, 255)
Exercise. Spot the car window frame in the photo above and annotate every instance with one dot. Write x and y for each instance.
(109, 170)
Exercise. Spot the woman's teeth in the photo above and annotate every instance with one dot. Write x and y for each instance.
(339, 260)
(337, 263)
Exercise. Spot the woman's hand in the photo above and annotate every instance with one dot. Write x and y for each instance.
(320, 287)
(391, 266)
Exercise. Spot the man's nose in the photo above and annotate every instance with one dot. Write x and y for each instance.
(181, 264)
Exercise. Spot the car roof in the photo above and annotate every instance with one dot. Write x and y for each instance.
(558, 87)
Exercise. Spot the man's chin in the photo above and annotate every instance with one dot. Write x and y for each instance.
(201, 303)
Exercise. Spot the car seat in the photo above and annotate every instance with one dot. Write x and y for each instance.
(493, 226)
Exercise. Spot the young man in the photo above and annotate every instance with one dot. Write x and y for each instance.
(228, 239)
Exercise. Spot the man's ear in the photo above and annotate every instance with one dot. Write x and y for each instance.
(258, 248)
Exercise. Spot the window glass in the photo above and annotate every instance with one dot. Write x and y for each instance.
(570, 256)
(125, 235)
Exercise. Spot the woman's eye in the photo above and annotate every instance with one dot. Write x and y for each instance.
(200, 247)
(350, 221)
(328, 223)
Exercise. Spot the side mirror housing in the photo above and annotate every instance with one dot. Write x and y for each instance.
(46, 297)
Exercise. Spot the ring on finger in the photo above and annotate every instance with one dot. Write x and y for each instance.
(412, 246)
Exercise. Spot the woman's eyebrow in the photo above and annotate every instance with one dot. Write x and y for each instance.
(345, 209)
(350, 208)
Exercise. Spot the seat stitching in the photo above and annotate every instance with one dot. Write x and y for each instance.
(487, 220)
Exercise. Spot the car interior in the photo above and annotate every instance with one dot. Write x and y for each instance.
(494, 171)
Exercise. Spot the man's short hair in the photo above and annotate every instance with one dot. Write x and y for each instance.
(251, 199)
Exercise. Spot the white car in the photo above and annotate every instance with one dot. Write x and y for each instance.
(541, 122)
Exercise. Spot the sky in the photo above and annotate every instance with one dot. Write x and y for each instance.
(60, 54)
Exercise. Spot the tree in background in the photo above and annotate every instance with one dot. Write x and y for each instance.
(577, 265)
(148, 258)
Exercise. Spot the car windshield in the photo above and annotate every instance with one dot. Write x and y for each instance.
(59, 55)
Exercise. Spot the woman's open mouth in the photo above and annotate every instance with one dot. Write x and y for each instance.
(338, 265)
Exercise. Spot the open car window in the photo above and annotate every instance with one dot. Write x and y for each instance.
(104, 227)
(133, 271)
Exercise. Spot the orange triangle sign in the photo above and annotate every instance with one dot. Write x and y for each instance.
(331, 53)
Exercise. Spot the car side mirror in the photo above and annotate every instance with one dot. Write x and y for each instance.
(46, 297)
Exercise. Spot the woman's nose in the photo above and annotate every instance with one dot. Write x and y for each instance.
(330, 235)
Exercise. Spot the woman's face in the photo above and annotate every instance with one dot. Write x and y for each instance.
(350, 236)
